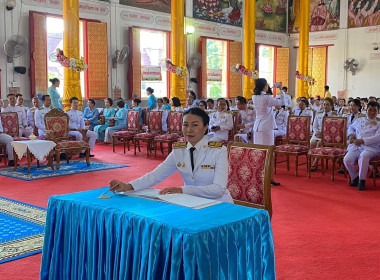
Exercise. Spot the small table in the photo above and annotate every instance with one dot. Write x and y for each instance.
(38, 148)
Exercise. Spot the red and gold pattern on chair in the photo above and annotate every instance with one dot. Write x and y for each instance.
(375, 162)
(133, 127)
(175, 122)
(249, 174)
(57, 130)
(133, 120)
(297, 140)
(10, 124)
(333, 145)
(154, 129)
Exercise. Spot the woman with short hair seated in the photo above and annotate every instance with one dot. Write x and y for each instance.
(108, 112)
(120, 119)
(91, 114)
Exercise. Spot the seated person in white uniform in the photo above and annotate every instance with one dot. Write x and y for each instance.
(364, 139)
(315, 140)
(317, 105)
(248, 116)
(203, 165)
(203, 105)
(176, 104)
(221, 122)
(20, 103)
(160, 108)
(32, 112)
(303, 110)
(24, 130)
(7, 140)
(76, 122)
(210, 104)
(190, 101)
(288, 98)
(40, 114)
(281, 116)
(341, 107)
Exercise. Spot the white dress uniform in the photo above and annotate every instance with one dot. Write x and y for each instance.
(225, 121)
(288, 100)
(164, 120)
(76, 121)
(30, 117)
(369, 131)
(26, 109)
(351, 118)
(316, 108)
(340, 111)
(265, 123)
(22, 123)
(306, 112)
(317, 123)
(6, 140)
(39, 120)
(248, 117)
(210, 175)
(281, 117)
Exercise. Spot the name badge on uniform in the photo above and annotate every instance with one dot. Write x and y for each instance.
(208, 166)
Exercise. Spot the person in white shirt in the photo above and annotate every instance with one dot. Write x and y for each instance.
(165, 114)
(364, 139)
(281, 116)
(7, 140)
(341, 109)
(20, 103)
(76, 123)
(221, 122)
(203, 165)
(248, 116)
(40, 114)
(32, 111)
(317, 107)
(24, 130)
(288, 98)
(190, 102)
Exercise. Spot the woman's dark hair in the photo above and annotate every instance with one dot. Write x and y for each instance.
(150, 89)
(136, 100)
(304, 100)
(92, 101)
(357, 103)
(120, 104)
(203, 102)
(259, 86)
(176, 102)
(160, 99)
(165, 99)
(374, 104)
(72, 99)
(200, 113)
(192, 93)
(328, 99)
(241, 99)
(344, 100)
(269, 92)
(110, 101)
(221, 98)
(211, 101)
(54, 80)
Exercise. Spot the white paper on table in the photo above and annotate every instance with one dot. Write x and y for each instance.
(185, 200)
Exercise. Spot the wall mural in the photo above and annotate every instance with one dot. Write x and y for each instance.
(363, 13)
(271, 15)
(154, 5)
(324, 15)
(221, 11)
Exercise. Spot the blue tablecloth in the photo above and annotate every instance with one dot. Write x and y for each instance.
(134, 238)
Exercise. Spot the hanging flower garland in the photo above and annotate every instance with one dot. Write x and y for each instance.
(244, 71)
(307, 79)
(169, 66)
(77, 65)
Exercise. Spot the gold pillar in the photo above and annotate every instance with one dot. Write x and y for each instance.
(71, 50)
(249, 46)
(303, 54)
(178, 55)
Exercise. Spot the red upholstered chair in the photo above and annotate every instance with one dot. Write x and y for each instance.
(133, 127)
(297, 140)
(334, 143)
(174, 132)
(375, 162)
(249, 174)
(154, 129)
(10, 125)
(57, 130)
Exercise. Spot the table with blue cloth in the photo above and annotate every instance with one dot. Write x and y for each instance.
(134, 238)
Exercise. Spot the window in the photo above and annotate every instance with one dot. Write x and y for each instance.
(266, 63)
(54, 29)
(153, 48)
(216, 68)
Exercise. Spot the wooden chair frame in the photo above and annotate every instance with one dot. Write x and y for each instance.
(375, 163)
(127, 138)
(288, 141)
(334, 145)
(267, 176)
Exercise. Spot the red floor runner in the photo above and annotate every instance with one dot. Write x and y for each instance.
(322, 229)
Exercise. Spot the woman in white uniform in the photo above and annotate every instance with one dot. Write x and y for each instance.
(265, 123)
(203, 165)
(221, 122)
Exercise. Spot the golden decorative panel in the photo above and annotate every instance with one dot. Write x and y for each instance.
(235, 57)
(317, 70)
(282, 66)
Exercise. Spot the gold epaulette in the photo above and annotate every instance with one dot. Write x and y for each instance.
(250, 108)
(5, 106)
(214, 144)
(361, 115)
(229, 112)
(286, 109)
(321, 112)
(378, 119)
(180, 145)
(335, 113)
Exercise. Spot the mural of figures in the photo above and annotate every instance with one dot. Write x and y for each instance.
(324, 15)
(271, 15)
(154, 5)
(363, 13)
(221, 11)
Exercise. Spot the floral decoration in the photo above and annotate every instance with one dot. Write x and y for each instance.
(77, 65)
(169, 66)
(244, 71)
(307, 79)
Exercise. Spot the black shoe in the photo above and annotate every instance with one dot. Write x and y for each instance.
(92, 155)
(82, 155)
(354, 183)
(11, 163)
(341, 171)
(62, 156)
(274, 183)
(361, 185)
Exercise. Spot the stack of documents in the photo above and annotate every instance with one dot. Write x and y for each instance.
(185, 200)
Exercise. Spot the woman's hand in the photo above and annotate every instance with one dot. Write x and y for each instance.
(119, 186)
(358, 142)
(171, 190)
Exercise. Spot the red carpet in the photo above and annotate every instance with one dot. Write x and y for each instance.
(322, 229)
